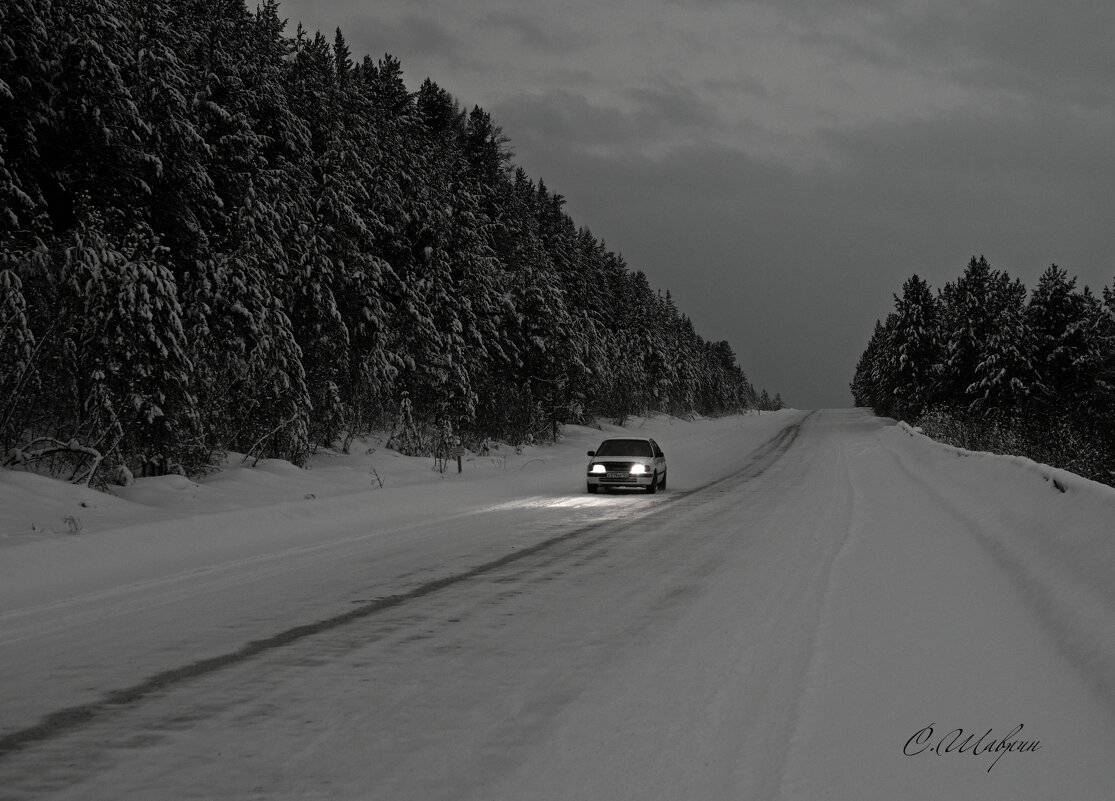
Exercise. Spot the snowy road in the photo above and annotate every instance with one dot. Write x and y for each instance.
(781, 623)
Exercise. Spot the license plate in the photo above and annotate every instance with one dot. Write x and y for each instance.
(615, 475)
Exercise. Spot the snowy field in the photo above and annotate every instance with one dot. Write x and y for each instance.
(812, 609)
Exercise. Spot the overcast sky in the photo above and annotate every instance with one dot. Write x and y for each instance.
(782, 166)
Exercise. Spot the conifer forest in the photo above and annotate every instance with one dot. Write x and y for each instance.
(217, 236)
(986, 365)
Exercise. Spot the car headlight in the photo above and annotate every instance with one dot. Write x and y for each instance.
(638, 469)
(597, 468)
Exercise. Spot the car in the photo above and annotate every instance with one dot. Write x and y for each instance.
(627, 462)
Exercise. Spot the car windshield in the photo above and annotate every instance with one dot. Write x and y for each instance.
(625, 447)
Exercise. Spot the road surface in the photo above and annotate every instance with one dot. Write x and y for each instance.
(807, 623)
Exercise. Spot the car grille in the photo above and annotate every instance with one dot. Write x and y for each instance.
(612, 466)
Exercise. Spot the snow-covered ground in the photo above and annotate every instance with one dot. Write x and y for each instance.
(808, 612)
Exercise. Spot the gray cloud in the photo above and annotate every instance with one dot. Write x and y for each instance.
(740, 85)
(651, 116)
(535, 36)
(1052, 51)
(1055, 51)
(668, 106)
(410, 36)
(567, 120)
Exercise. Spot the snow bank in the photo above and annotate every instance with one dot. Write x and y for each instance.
(1061, 479)
(60, 539)
(33, 507)
(1052, 531)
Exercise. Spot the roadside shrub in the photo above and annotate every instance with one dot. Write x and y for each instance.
(1059, 441)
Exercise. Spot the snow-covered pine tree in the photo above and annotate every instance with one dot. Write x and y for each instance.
(470, 299)
(590, 331)
(487, 150)
(177, 101)
(542, 333)
(1105, 382)
(505, 404)
(320, 207)
(1070, 345)
(251, 382)
(723, 388)
(558, 236)
(985, 339)
(688, 363)
(874, 381)
(405, 214)
(17, 357)
(631, 309)
(249, 375)
(93, 154)
(660, 350)
(916, 346)
(362, 277)
(26, 51)
(860, 385)
(125, 358)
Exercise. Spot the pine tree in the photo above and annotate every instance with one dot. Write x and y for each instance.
(17, 357)
(362, 275)
(27, 49)
(875, 377)
(125, 356)
(985, 339)
(1067, 331)
(916, 347)
(1104, 401)
(249, 373)
(176, 194)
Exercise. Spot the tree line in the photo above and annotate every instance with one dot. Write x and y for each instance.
(985, 364)
(217, 237)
